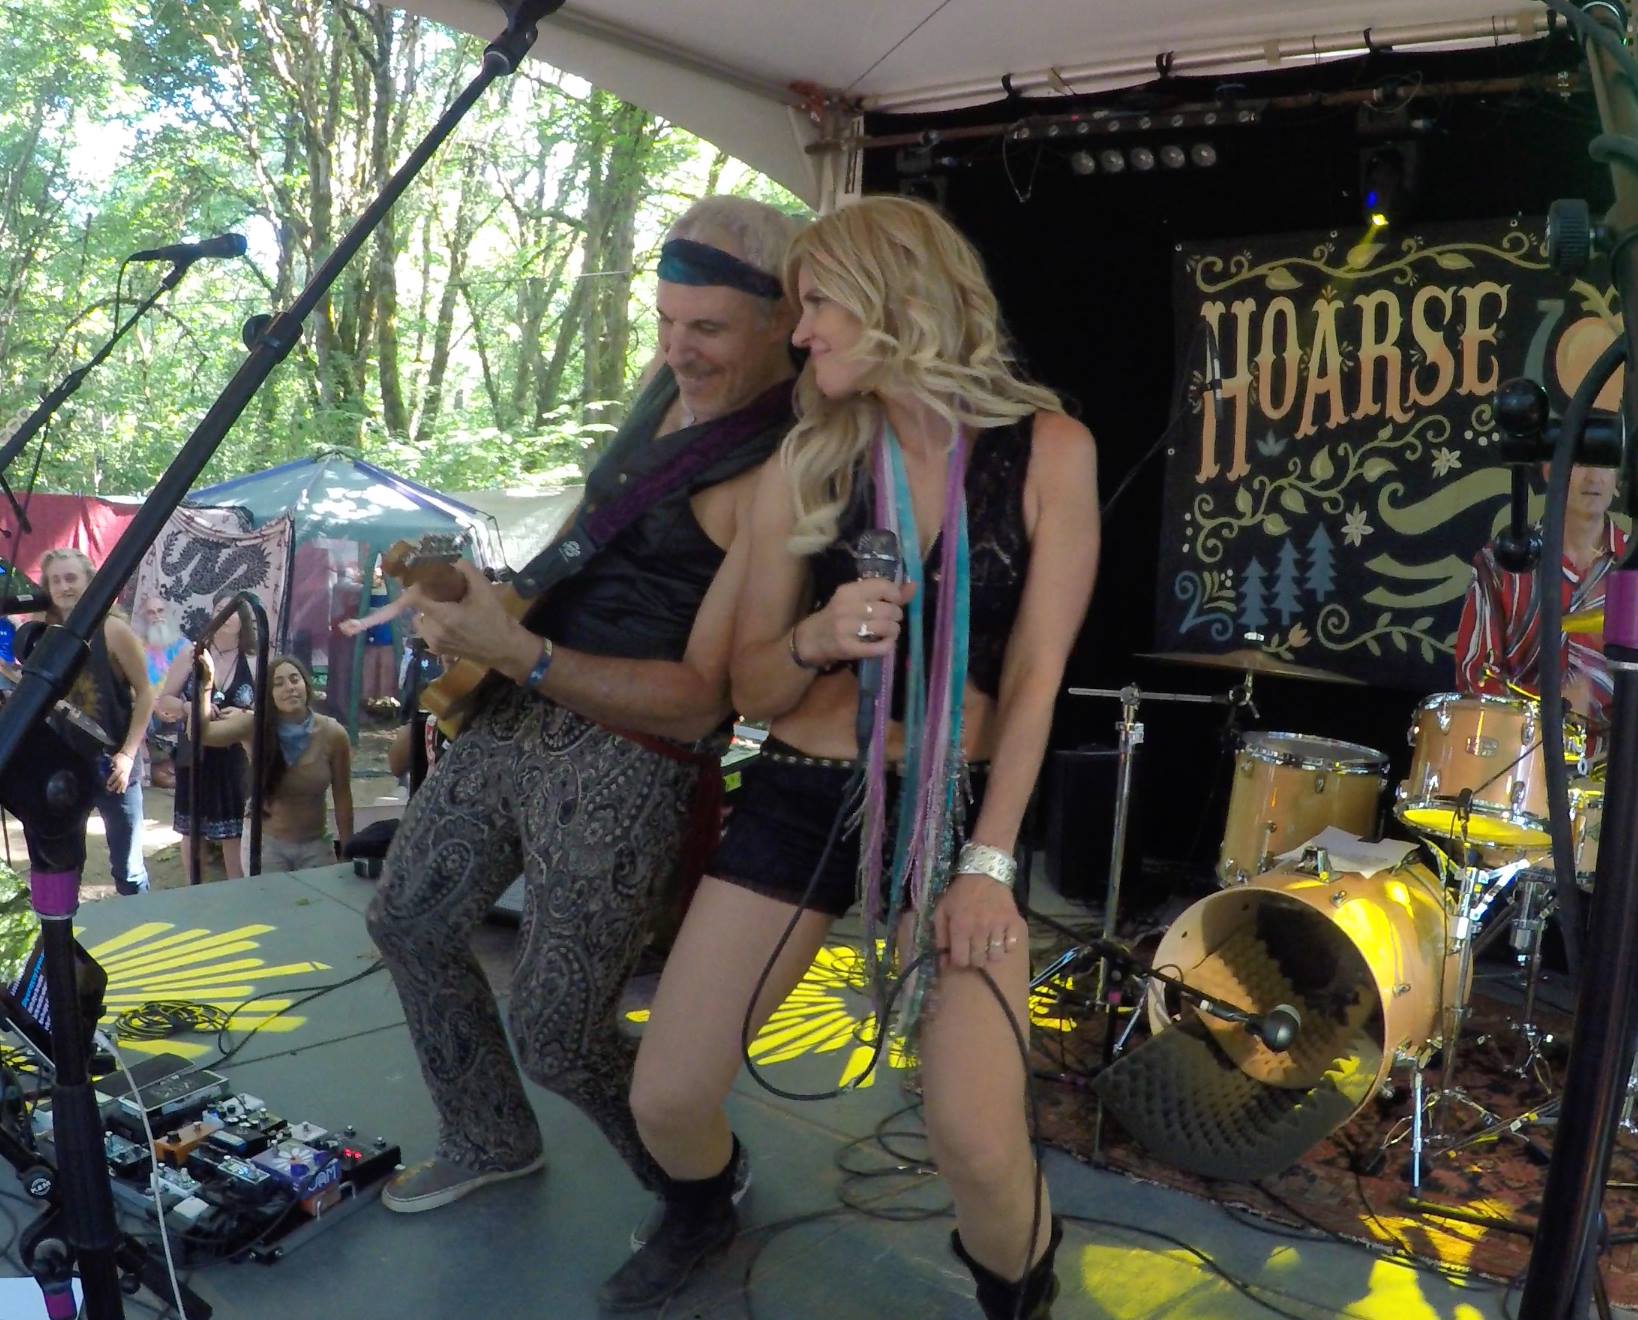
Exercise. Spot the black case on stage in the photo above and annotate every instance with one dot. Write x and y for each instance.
(1080, 821)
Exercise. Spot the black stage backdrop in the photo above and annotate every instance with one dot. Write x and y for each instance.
(1085, 266)
(1329, 501)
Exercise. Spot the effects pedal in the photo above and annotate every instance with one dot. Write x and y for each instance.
(241, 1139)
(302, 1170)
(177, 1094)
(239, 1175)
(175, 1146)
(125, 1158)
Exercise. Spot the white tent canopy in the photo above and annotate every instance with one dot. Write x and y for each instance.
(740, 73)
(526, 520)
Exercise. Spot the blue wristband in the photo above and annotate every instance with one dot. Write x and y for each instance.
(541, 665)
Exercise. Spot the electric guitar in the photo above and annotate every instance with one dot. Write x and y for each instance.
(430, 565)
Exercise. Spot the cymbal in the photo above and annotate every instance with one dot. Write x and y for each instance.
(1252, 662)
(1585, 621)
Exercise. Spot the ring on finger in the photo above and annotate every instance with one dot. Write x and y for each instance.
(869, 609)
(865, 635)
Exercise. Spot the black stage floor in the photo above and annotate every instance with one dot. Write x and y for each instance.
(539, 1247)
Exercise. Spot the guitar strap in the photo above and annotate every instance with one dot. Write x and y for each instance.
(638, 472)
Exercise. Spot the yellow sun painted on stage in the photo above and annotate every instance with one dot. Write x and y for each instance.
(1449, 1241)
(159, 960)
(830, 1010)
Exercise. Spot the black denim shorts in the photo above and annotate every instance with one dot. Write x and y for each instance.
(781, 816)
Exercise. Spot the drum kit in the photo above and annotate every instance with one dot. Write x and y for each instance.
(1372, 944)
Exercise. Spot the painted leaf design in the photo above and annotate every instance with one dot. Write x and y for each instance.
(1427, 651)
(1291, 500)
(1372, 647)
(1320, 466)
(1386, 433)
(1281, 278)
(1275, 525)
(1242, 500)
(1399, 640)
(1376, 468)
(1452, 261)
(1362, 255)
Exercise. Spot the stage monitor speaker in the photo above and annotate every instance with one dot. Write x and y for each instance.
(1081, 821)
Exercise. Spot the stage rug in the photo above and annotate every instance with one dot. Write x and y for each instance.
(1502, 1179)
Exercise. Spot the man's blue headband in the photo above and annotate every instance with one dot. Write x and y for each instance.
(683, 261)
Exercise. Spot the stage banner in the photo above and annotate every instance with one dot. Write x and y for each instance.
(202, 553)
(1333, 501)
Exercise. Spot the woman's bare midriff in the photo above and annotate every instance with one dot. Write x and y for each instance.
(823, 723)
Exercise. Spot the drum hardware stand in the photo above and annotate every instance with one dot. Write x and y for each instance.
(1130, 731)
(1455, 1014)
(1533, 905)
(1430, 1110)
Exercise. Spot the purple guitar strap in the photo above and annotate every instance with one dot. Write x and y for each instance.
(598, 526)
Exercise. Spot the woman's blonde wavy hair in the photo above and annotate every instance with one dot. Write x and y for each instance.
(931, 329)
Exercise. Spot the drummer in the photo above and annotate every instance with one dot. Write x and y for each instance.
(1499, 639)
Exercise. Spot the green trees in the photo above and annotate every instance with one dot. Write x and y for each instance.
(485, 336)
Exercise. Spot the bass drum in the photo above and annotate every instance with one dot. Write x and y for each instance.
(1363, 959)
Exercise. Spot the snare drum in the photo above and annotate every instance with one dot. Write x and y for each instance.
(1489, 747)
(1289, 787)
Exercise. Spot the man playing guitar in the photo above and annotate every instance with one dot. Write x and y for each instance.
(576, 766)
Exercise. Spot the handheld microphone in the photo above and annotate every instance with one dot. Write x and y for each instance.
(223, 245)
(876, 554)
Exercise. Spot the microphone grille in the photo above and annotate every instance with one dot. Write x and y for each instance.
(876, 552)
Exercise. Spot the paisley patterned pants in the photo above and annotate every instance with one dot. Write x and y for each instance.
(594, 822)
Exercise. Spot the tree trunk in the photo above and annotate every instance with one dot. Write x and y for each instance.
(384, 266)
(611, 225)
(444, 332)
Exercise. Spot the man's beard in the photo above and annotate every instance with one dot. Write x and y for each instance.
(160, 635)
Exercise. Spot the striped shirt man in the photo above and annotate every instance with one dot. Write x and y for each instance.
(1501, 627)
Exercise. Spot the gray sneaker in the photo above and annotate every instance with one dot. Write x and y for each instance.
(644, 1231)
(436, 1182)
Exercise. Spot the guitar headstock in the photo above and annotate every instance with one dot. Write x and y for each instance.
(428, 564)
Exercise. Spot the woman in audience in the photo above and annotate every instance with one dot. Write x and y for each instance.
(305, 756)
(221, 771)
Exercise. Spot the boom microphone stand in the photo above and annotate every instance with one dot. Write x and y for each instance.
(1563, 1259)
(59, 395)
(39, 780)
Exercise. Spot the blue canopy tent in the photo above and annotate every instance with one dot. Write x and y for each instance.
(347, 513)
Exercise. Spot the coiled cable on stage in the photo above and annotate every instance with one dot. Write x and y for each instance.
(160, 1019)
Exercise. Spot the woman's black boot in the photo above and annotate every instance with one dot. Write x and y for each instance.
(699, 1221)
(1030, 1298)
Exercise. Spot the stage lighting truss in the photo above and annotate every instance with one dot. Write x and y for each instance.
(1166, 145)
(1142, 158)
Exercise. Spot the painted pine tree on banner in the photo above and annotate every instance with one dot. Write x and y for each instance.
(1253, 598)
(1321, 580)
(1287, 589)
